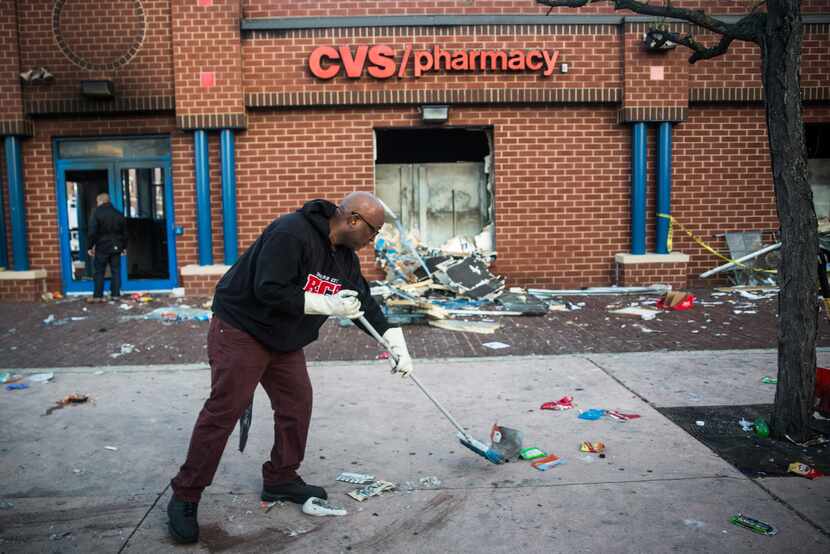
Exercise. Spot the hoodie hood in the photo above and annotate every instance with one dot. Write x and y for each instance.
(318, 212)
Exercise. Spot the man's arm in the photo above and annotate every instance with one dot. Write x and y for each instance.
(277, 273)
(92, 232)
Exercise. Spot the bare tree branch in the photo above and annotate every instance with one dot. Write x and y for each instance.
(749, 28)
(701, 52)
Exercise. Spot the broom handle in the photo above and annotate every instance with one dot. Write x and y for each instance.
(386, 345)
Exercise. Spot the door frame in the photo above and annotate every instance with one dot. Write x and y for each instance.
(113, 167)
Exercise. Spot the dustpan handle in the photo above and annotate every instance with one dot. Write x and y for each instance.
(372, 331)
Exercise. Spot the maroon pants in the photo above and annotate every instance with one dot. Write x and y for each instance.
(237, 363)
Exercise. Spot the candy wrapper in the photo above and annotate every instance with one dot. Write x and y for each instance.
(532, 453)
(804, 470)
(754, 525)
(619, 416)
(372, 489)
(594, 447)
(544, 464)
(564, 403)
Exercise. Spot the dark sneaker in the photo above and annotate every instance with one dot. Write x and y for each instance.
(183, 525)
(296, 491)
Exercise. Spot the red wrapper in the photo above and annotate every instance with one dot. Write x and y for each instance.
(564, 403)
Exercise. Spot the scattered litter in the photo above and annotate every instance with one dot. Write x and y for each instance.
(355, 478)
(769, 380)
(177, 292)
(176, 313)
(495, 345)
(506, 441)
(126, 348)
(6, 505)
(804, 470)
(593, 447)
(318, 507)
(69, 399)
(372, 489)
(644, 329)
(676, 300)
(761, 428)
(599, 291)
(266, 506)
(746, 425)
(382, 356)
(532, 453)
(549, 461)
(17, 386)
(59, 536)
(481, 327)
(592, 414)
(564, 403)
(739, 312)
(646, 314)
(113, 448)
(5, 377)
(700, 423)
(126, 306)
(620, 416)
(694, 524)
(754, 525)
(430, 482)
(49, 320)
(41, 377)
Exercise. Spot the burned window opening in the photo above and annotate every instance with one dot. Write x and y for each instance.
(440, 183)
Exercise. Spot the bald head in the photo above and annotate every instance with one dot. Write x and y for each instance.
(359, 217)
(364, 203)
(102, 198)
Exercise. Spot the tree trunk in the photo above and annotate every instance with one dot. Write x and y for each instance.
(797, 301)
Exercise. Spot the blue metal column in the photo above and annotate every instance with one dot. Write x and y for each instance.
(638, 189)
(228, 157)
(664, 154)
(200, 147)
(14, 172)
(4, 254)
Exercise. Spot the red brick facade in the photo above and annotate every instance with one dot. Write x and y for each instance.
(561, 144)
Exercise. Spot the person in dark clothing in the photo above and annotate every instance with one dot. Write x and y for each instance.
(268, 306)
(107, 241)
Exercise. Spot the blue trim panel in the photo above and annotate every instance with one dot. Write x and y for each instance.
(4, 254)
(638, 189)
(200, 152)
(17, 208)
(664, 155)
(229, 223)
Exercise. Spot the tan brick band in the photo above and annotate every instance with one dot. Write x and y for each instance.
(118, 105)
(18, 127)
(456, 96)
(750, 94)
(212, 121)
(636, 115)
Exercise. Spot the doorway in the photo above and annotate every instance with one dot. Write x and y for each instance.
(438, 181)
(136, 175)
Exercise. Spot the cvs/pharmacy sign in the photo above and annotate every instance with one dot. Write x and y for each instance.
(382, 61)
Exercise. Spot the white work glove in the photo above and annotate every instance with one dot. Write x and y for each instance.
(394, 336)
(342, 304)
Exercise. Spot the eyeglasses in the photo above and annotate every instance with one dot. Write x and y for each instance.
(375, 230)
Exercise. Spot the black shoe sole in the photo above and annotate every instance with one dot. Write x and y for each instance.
(179, 538)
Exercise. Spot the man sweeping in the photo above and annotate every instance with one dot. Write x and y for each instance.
(267, 307)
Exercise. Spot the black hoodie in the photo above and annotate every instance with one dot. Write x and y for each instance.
(263, 292)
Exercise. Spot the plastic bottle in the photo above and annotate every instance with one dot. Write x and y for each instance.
(761, 428)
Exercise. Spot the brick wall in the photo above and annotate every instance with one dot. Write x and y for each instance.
(640, 275)
(131, 37)
(313, 8)
(12, 106)
(206, 40)
(653, 79)
(25, 290)
(200, 285)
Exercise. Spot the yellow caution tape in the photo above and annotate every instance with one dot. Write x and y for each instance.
(699, 241)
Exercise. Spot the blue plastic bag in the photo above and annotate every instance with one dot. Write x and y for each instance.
(592, 414)
(17, 386)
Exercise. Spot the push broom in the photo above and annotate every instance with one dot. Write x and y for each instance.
(476, 446)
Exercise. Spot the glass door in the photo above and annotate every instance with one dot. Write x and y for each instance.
(136, 175)
(145, 198)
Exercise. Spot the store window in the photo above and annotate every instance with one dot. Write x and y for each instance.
(439, 182)
(817, 137)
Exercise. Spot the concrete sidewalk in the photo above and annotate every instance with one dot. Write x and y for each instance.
(659, 489)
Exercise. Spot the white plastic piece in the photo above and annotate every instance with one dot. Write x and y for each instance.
(318, 507)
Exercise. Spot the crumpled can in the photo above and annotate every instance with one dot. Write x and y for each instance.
(564, 403)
